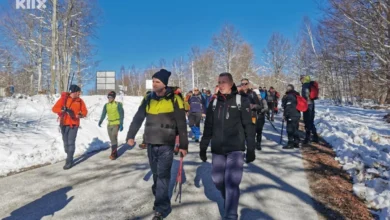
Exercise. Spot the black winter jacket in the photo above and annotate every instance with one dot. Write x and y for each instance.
(227, 127)
(289, 104)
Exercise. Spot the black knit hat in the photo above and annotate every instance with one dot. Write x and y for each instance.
(163, 75)
(112, 94)
(291, 86)
(74, 88)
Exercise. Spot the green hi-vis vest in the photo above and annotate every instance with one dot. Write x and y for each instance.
(113, 113)
(161, 124)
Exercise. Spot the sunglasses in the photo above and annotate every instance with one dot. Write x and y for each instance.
(196, 90)
(244, 84)
(110, 97)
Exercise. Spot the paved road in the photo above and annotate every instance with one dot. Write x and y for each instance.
(273, 187)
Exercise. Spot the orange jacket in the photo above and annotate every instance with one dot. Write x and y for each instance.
(77, 105)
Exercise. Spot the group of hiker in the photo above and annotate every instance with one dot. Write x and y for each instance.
(234, 117)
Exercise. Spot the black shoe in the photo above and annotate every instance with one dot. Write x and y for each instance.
(157, 216)
(296, 145)
(306, 141)
(258, 145)
(197, 140)
(288, 146)
(68, 165)
(315, 139)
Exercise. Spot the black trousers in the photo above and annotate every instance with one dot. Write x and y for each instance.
(292, 130)
(259, 127)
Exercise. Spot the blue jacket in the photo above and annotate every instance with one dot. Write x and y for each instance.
(263, 94)
(197, 104)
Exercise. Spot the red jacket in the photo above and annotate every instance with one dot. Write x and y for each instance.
(77, 105)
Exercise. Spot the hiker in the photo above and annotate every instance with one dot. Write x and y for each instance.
(291, 116)
(71, 108)
(197, 111)
(165, 118)
(228, 126)
(255, 106)
(262, 110)
(263, 93)
(115, 114)
(308, 116)
(208, 97)
(272, 101)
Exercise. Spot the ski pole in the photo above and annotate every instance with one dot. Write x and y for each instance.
(281, 133)
(271, 123)
(179, 179)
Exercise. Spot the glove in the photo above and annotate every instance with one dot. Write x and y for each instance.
(203, 155)
(250, 156)
(120, 127)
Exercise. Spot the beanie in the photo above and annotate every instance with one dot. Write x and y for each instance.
(74, 88)
(291, 86)
(163, 75)
(111, 94)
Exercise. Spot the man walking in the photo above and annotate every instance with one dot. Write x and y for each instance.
(115, 113)
(309, 115)
(197, 110)
(165, 117)
(291, 116)
(70, 108)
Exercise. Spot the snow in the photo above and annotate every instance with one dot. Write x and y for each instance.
(30, 135)
(361, 140)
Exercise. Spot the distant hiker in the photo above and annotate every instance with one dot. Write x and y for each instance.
(208, 97)
(229, 127)
(308, 116)
(197, 111)
(115, 115)
(71, 108)
(256, 107)
(291, 116)
(186, 105)
(272, 101)
(263, 93)
(165, 117)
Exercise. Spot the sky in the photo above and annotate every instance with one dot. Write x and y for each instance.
(140, 33)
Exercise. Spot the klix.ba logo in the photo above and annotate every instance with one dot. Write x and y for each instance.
(30, 4)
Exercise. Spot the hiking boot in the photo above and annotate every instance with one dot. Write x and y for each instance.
(306, 141)
(157, 216)
(197, 140)
(296, 145)
(68, 165)
(258, 145)
(289, 146)
(315, 138)
(114, 155)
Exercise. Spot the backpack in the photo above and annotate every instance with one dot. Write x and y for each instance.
(314, 90)
(238, 102)
(301, 103)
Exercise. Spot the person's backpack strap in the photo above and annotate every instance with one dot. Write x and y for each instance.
(238, 101)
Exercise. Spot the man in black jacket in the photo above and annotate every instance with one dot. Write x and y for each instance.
(258, 110)
(308, 116)
(229, 126)
(292, 116)
(165, 118)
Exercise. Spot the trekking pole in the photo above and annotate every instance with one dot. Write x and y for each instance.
(271, 123)
(281, 133)
(179, 179)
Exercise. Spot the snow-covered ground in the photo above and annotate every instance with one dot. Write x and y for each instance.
(361, 140)
(29, 131)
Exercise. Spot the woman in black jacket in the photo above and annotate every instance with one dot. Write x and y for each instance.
(228, 126)
(292, 116)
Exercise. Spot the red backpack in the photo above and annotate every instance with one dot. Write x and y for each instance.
(314, 90)
(301, 103)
